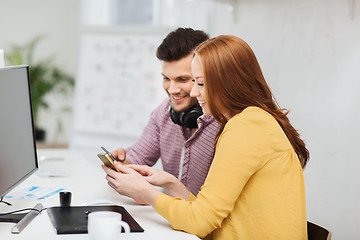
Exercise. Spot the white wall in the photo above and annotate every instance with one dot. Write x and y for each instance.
(21, 21)
(310, 54)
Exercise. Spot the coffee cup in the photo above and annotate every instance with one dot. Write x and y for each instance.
(106, 225)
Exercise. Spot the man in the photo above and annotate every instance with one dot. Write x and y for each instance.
(177, 131)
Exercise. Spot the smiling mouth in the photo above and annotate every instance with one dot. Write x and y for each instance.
(178, 99)
(201, 103)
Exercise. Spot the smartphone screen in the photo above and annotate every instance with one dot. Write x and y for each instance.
(109, 154)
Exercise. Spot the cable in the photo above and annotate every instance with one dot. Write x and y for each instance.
(7, 203)
(21, 210)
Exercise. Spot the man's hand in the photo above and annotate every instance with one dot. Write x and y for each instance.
(120, 154)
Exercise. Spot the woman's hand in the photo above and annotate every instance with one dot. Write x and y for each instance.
(154, 176)
(130, 183)
(169, 182)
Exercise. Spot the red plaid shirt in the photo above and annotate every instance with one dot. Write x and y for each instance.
(165, 140)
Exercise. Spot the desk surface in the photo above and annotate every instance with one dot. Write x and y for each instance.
(87, 183)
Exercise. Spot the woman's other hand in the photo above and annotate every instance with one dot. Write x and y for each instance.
(160, 178)
(130, 183)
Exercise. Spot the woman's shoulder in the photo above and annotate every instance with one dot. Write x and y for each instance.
(254, 121)
(252, 114)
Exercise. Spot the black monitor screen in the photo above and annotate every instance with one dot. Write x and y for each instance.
(17, 145)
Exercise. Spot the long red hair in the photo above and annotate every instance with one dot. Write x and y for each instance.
(234, 80)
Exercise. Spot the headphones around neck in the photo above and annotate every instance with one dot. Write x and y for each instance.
(187, 118)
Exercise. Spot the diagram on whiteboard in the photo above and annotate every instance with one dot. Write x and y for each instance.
(119, 83)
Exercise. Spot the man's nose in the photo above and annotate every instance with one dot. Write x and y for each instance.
(174, 88)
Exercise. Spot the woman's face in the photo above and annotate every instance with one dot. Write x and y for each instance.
(198, 89)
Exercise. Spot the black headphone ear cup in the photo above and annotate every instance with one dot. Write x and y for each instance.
(189, 118)
(175, 116)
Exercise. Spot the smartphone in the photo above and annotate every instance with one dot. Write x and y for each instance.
(108, 159)
(109, 154)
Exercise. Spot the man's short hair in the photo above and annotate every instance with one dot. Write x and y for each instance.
(180, 43)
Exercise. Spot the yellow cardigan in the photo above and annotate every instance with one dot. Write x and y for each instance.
(254, 189)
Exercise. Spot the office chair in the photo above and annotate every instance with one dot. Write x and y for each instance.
(315, 232)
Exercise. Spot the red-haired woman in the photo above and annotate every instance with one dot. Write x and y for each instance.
(255, 186)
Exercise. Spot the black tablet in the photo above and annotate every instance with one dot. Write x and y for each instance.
(73, 220)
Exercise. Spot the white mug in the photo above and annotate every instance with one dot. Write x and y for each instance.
(106, 225)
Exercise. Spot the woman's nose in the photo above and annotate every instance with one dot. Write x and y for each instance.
(194, 91)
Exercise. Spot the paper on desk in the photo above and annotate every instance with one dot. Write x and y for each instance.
(47, 169)
(34, 193)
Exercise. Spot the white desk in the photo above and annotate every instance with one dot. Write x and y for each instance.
(86, 182)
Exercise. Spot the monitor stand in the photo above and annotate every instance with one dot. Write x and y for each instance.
(22, 219)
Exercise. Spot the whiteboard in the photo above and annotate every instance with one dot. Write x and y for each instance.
(118, 83)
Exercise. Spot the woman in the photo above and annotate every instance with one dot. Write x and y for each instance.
(255, 186)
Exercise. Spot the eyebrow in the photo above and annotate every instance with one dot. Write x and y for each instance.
(180, 77)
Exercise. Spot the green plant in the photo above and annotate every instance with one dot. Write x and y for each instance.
(45, 77)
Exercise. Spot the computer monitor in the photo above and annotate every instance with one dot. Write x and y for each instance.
(18, 158)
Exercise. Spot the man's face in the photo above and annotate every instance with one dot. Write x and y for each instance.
(177, 82)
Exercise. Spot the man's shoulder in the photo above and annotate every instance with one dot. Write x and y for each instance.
(163, 107)
(161, 114)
